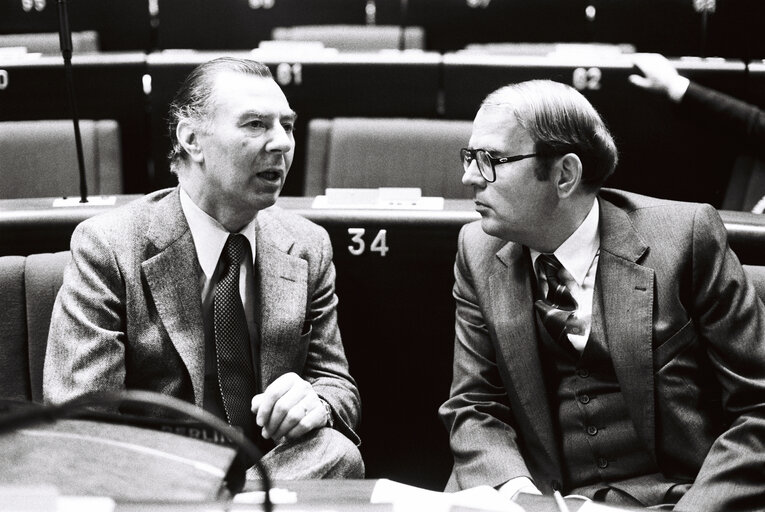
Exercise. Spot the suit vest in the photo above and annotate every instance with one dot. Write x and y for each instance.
(598, 440)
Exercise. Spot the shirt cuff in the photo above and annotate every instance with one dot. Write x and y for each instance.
(514, 485)
(677, 88)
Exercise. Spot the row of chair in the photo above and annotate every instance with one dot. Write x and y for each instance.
(38, 158)
(655, 140)
(727, 28)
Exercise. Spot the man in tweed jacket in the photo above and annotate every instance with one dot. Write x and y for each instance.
(135, 310)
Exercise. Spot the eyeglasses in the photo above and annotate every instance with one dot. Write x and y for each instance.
(486, 162)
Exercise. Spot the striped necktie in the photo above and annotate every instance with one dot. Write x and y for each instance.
(557, 311)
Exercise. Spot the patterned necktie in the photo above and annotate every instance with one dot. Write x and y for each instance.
(558, 310)
(236, 377)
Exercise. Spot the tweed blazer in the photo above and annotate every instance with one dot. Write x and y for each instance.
(129, 313)
(686, 334)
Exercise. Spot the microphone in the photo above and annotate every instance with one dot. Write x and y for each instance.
(64, 31)
(402, 31)
(65, 40)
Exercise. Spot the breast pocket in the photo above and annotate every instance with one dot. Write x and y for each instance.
(674, 345)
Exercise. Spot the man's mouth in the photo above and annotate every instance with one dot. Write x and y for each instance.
(270, 175)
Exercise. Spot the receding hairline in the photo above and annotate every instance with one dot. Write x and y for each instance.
(215, 80)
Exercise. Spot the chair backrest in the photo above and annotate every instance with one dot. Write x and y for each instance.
(381, 152)
(48, 42)
(28, 288)
(354, 38)
(39, 158)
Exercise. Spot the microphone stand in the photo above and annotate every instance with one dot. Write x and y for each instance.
(65, 39)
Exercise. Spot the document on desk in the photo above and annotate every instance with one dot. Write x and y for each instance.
(406, 498)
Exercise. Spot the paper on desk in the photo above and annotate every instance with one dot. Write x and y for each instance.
(85, 504)
(46, 498)
(278, 496)
(591, 506)
(407, 498)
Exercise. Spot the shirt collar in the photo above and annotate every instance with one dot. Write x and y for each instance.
(209, 235)
(579, 249)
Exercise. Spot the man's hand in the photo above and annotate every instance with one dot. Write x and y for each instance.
(288, 408)
(660, 75)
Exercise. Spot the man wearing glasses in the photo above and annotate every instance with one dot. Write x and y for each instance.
(607, 344)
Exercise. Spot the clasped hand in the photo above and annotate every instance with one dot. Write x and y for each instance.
(288, 408)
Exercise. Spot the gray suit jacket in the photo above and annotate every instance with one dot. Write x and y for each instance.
(129, 313)
(686, 332)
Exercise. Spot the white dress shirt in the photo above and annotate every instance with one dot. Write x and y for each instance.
(579, 256)
(209, 239)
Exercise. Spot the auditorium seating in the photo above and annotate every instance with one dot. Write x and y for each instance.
(379, 152)
(39, 158)
(108, 86)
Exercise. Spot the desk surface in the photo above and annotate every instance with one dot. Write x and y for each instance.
(330, 495)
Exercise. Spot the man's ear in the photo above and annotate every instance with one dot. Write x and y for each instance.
(569, 174)
(188, 138)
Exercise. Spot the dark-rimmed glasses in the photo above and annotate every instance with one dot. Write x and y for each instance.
(486, 162)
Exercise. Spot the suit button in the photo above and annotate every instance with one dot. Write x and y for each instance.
(555, 485)
(584, 399)
(583, 373)
(602, 463)
(592, 430)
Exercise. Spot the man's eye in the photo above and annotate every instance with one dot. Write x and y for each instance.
(256, 123)
(288, 127)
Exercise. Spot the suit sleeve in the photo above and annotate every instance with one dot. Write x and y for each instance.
(86, 343)
(477, 415)
(744, 121)
(730, 320)
(326, 365)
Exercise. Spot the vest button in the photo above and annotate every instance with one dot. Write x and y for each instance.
(584, 399)
(602, 463)
(555, 485)
(583, 373)
(592, 430)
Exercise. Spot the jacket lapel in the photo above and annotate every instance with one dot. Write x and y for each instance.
(282, 291)
(513, 313)
(172, 275)
(628, 294)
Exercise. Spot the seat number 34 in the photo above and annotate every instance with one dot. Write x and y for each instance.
(358, 244)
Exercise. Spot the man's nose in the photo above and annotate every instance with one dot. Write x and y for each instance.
(281, 141)
(472, 177)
